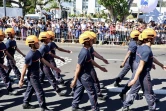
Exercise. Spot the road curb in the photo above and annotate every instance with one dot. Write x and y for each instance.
(97, 46)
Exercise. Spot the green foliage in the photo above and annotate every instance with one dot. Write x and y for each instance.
(31, 11)
(117, 8)
(72, 15)
(53, 5)
(8, 4)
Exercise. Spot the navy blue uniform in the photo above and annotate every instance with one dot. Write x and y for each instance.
(85, 81)
(52, 47)
(129, 62)
(144, 53)
(11, 48)
(134, 67)
(3, 74)
(44, 50)
(93, 73)
(32, 60)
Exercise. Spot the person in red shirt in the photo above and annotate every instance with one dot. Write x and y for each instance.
(112, 32)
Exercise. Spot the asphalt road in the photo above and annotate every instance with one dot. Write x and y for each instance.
(114, 56)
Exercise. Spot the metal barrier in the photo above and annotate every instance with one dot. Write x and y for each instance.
(117, 38)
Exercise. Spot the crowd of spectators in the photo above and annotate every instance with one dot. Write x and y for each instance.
(70, 29)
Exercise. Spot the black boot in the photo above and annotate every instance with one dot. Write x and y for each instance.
(122, 96)
(117, 81)
(28, 106)
(60, 93)
(77, 109)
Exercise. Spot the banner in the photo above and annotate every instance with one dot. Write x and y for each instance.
(147, 6)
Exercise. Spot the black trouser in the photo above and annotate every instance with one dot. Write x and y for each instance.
(5, 79)
(96, 81)
(125, 70)
(11, 65)
(85, 82)
(56, 74)
(34, 86)
(50, 77)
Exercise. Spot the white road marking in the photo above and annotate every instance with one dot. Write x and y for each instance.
(119, 89)
(20, 62)
(121, 60)
(115, 60)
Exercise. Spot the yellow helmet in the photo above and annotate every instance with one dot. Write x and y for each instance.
(134, 34)
(93, 34)
(89, 34)
(52, 34)
(44, 35)
(10, 30)
(31, 40)
(83, 38)
(154, 32)
(151, 33)
(147, 35)
(140, 37)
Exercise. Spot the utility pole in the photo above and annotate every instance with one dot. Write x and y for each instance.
(4, 6)
(160, 5)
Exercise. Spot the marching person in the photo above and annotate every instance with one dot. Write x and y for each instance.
(32, 65)
(83, 79)
(47, 55)
(93, 53)
(53, 48)
(11, 46)
(4, 76)
(142, 78)
(129, 58)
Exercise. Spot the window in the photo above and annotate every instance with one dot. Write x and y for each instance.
(134, 5)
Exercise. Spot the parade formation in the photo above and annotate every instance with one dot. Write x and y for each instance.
(40, 63)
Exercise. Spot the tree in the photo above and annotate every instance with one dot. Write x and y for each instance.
(53, 5)
(117, 7)
(26, 5)
(42, 3)
(8, 4)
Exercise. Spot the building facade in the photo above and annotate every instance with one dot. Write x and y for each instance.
(86, 6)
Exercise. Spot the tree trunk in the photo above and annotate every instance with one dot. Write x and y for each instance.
(113, 16)
(129, 3)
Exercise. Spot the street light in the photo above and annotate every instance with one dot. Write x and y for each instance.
(4, 5)
(160, 4)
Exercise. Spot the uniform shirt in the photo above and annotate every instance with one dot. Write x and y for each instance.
(11, 47)
(91, 50)
(145, 53)
(32, 59)
(133, 49)
(2, 52)
(44, 50)
(52, 47)
(84, 58)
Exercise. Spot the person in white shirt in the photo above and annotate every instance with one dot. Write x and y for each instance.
(57, 31)
(83, 26)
